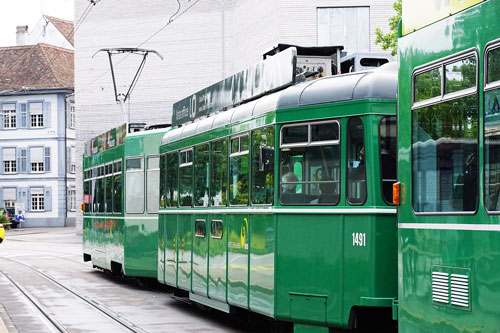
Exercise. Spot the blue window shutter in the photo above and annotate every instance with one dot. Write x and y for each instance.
(1, 116)
(28, 200)
(22, 119)
(46, 164)
(28, 118)
(1, 159)
(46, 114)
(18, 160)
(47, 199)
(1, 198)
(28, 165)
(23, 152)
(18, 115)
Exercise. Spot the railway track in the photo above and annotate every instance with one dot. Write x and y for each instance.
(47, 314)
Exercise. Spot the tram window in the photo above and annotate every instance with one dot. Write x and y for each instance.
(218, 190)
(356, 162)
(134, 185)
(216, 229)
(324, 132)
(93, 190)
(172, 179)
(163, 181)
(238, 171)
(201, 175)
(493, 71)
(428, 84)
(86, 194)
(117, 186)
(200, 228)
(100, 189)
(295, 134)
(152, 180)
(445, 153)
(263, 166)
(388, 161)
(108, 186)
(310, 171)
(186, 178)
(460, 75)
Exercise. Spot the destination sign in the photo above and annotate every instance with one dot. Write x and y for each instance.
(268, 75)
(418, 14)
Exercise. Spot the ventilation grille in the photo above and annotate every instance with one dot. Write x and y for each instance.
(440, 287)
(450, 287)
(460, 290)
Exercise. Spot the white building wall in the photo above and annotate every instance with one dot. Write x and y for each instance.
(212, 40)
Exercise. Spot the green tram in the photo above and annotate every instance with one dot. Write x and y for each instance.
(121, 200)
(449, 166)
(283, 205)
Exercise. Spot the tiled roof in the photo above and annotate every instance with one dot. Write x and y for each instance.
(36, 67)
(65, 27)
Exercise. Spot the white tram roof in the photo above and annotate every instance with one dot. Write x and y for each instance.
(380, 83)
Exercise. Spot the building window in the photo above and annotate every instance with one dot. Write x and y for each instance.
(9, 115)
(72, 198)
(37, 200)
(72, 116)
(36, 156)
(36, 114)
(347, 26)
(9, 197)
(9, 160)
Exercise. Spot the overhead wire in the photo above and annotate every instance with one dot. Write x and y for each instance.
(170, 21)
(75, 28)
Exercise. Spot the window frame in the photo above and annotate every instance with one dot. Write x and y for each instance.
(347, 183)
(310, 143)
(309, 139)
(442, 63)
(490, 46)
(225, 193)
(443, 99)
(380, 156)
(238, 154)
(209, 143)
(9, 114)
(179, 181)
(116, 173)
(147, 171)
(142, 170)
(251, 181)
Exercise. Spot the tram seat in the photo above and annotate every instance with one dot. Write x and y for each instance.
(294, 198)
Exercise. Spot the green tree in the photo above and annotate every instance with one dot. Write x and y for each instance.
(390, 39)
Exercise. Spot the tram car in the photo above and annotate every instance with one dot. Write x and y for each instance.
(120, 195)
(282, 204)
(449, 121)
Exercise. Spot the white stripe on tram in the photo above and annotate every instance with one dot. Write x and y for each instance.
(121, 217)
(450, 226)
(282, 211)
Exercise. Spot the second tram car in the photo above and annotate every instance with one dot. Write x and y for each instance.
(120, 213)
(283, 205)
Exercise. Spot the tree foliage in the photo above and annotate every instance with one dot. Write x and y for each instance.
(390, 39)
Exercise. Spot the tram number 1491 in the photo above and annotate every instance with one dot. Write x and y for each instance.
(358, 239)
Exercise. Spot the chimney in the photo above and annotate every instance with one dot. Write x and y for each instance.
(21, 35)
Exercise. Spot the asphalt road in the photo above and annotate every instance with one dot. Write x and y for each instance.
(42, 271)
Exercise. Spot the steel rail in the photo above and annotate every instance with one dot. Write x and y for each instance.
(95, 304)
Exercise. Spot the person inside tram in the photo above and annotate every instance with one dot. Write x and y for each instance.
(289, 183)
(470, 184)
